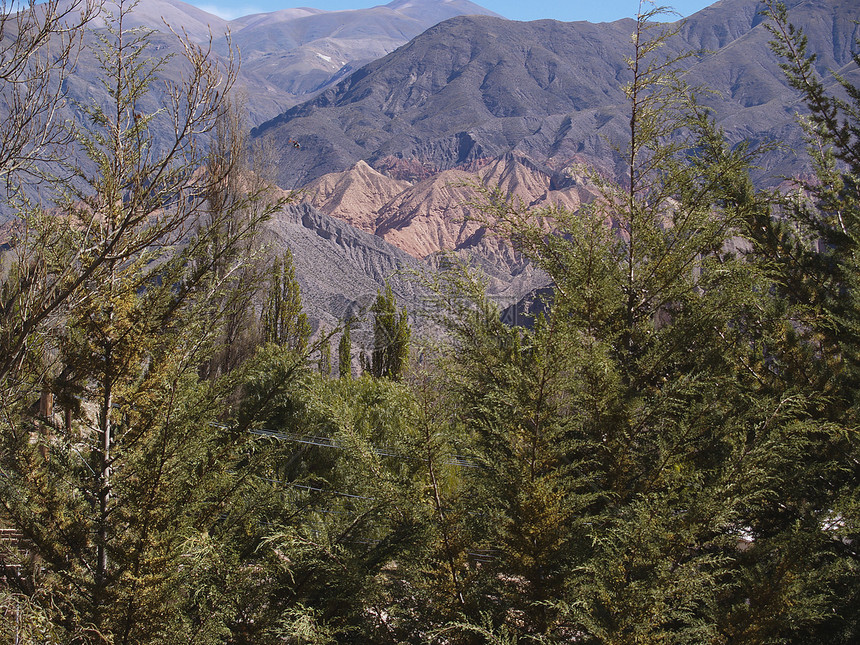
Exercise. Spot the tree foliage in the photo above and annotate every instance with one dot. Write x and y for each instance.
(667, 454)
(116, 302)
(391, 332)
(284, 322)
(344, 352)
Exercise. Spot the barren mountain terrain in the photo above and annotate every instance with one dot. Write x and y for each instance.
(478, 87)
(391, 157)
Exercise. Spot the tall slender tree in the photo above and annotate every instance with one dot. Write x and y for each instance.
(613, 435)
(391, 331)
(324, 362)
(344, 352)
(108, 502)
(284, 322)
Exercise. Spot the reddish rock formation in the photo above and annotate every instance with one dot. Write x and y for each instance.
(354, 196)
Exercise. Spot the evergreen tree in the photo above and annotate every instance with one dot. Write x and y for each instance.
(627, 442)
(109, 502)
(341, 508)
(808, 246)
(284, 322)
(324, 363)
(391, 333)
(344, 353)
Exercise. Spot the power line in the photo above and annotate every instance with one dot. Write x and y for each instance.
(328, 442)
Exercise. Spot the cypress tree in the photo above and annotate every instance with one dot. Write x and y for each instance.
(344, 353)
(284, 323)
(611, 436)
(324, 363)
(108, 501)
(391, 332)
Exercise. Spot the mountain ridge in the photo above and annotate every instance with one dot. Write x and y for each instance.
(477, 87)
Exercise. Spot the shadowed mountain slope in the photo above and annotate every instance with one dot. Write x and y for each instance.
(469, 88)
(288, 55)
(300, 51)
(479, 87)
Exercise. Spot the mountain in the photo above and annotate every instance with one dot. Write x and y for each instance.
(162, 15)
(340, 268)
(300, 51)
(478, 87)
(354, 196)
(468, 88)
(288, 55)
(266, 84)
(443, 213)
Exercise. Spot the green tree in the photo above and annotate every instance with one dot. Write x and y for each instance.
(807, 244)
(632, 439)
(284, 322)
(243, 195)
(343, 513)
(109, 503)
(391, 333)
(324, 363)
(813, 244)
(344, 352)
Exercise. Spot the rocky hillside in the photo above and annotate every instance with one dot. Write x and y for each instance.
(288, 55)
(300, 51)
(442, 212)
(341, 269)
(474, 88)
(355, 196)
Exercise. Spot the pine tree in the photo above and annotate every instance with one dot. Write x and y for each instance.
(324, 363)
(807, 244)
(619, 462)
(343, 516)
(108, 501)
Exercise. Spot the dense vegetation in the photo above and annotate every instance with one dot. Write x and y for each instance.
(668, 454)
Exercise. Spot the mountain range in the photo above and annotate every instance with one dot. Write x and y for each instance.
(290, 54)
(390, 120)
(478, 87)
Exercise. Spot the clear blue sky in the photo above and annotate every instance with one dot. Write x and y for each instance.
(593, 10)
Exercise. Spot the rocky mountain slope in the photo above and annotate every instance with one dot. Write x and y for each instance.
(340, 268)
(288, 55)
(444, 212)
(466, 89)
(300, 51)
(478, 87)
(355, 195)
(441, 212)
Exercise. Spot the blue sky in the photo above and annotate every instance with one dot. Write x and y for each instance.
(593, 10)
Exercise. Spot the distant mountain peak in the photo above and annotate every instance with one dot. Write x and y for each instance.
(476, 87)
